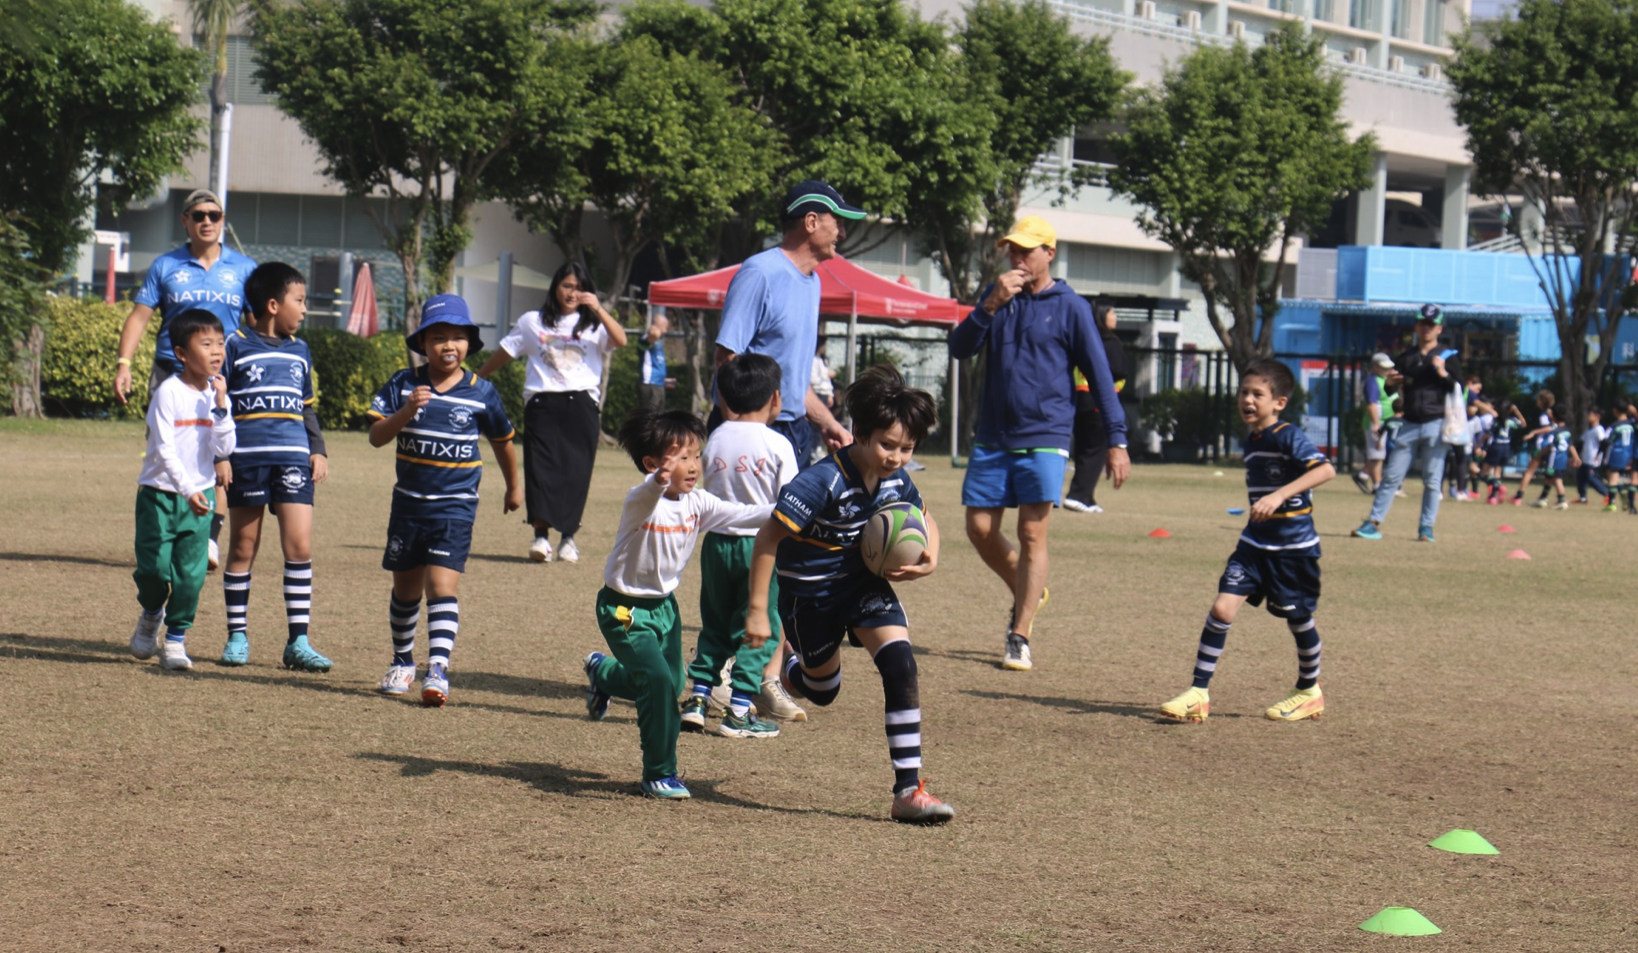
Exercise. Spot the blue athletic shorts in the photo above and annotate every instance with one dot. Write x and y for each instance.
(1619, 462)
(816, 627)
(1004, 478)
(413, 543)
(264, 486)
(1290, 583)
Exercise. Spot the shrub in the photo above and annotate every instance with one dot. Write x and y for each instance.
(625, 369)
(348, 370)
(81, 346)
(509, 381)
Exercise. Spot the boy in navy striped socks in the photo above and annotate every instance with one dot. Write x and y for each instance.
(1278, 555)
(436, 414)
(279, 457)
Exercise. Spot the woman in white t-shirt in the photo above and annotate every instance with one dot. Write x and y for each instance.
(566, 342)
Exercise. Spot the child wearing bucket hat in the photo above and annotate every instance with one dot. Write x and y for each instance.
(435, 414)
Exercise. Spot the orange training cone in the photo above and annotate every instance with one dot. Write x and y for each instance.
(1518, 554)
(1504, 528)
(1160, 534)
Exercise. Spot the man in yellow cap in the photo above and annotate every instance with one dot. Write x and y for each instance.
(1035, 332)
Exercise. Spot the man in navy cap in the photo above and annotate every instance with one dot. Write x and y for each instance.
(772, 308)
(1423, 375)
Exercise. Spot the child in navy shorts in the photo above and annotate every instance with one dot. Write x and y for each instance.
(1277, 559)
(436, 414)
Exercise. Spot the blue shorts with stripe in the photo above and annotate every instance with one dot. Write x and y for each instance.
(413, 543)
(1290, 582)
(815, 626)
(267, 485)
(1009, 478)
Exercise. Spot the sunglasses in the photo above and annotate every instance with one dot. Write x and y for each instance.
(198, 217)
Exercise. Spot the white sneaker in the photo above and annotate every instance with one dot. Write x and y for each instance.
(1094, 508)
(397, 681)
(1075, 506)
(567, 551)
(723, 693)
(145, 640)
(213, 556)
(540, 551)
(173, 656)
(773, 702)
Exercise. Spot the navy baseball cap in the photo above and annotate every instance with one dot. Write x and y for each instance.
(1431, 314)
(815, 196)
(445, 309)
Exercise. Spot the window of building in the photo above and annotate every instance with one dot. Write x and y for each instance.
(242, 88)
(1433, 22)
(1325, 10)
(1401, 19)
(1284, 6)
(1362, 14)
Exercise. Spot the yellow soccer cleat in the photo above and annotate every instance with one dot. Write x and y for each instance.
(1192, 705)
(1302, 703)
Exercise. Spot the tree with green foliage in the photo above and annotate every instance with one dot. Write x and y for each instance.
(94, 110)
(1549, 96)
(415, 101)
(1236, 154)
(213, 22)
(1026, 82)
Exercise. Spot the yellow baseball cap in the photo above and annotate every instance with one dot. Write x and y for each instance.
(1031, 231)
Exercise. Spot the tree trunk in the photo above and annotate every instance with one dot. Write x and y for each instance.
(218, 105)
(25, 390)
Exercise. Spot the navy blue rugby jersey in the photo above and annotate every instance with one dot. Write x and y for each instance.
(270, 382)
(1621, 443)
(1274, 457)
(1558, 441)
(1501, 432)
(439, 465)
(826, 506)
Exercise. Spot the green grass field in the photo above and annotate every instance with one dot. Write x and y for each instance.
(259, 809)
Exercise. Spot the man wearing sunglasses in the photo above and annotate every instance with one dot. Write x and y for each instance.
(205, 274)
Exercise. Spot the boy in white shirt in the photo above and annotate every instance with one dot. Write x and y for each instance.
(745, 461)
(637, 607)
(188, 428)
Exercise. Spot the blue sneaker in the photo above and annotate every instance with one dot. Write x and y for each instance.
(435, 685)
(666, 789)
(1368, 530)
(301, 657)
(237, 650)
(1424, 534)
(597, 702)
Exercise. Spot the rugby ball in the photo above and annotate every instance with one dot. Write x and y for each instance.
(895, 536)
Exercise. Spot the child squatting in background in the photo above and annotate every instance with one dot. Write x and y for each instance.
(825, 591)
(189, 427)
(1278, 556)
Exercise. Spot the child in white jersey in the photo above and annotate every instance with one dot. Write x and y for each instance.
(637, 607)
(745, 461)
(188, 428)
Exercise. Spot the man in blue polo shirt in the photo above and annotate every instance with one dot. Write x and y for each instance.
(1035, 332)
(203, 274)
(772, 308)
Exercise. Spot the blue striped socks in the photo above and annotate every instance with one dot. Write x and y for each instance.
(404, 616)
(236, 591)
(298, 598)
(443, 621)
(897, 665)
(1308, 651)
(1212, 638)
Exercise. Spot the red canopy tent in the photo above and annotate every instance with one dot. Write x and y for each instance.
(845, 290)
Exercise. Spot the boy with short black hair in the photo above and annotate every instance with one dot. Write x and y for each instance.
(1557, 456)
(1620, 459)
(825, 590)
(637, 607)
(1498, 449)
(1278, 556)
(1593, 442)
(436, 413)
(279, 457)
(745, 461)
(189, 426)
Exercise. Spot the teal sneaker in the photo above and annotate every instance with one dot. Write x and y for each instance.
(1367, 530)
(301, 657)
(1424, 534)
(748, 727)
(693, 713)
(666, 789)
(597, 701)
(237, 650)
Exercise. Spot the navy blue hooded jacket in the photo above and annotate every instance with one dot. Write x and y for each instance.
(1033, 346)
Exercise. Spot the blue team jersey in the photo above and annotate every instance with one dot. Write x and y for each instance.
(1274, 457)
(826, 506)
(270, 382)
(1621, 445)
(654, 364)
(1558, 446)
(439, 466)
(1501, 432)
(177, 281)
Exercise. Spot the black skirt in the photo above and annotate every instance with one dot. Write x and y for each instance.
(560, 432)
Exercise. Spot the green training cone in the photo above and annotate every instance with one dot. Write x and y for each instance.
(1463, 842)
(1400, 921)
